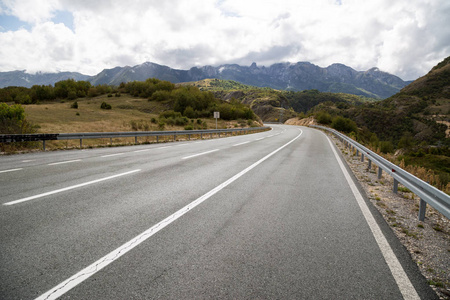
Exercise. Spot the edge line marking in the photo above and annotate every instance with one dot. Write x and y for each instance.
(404, 284)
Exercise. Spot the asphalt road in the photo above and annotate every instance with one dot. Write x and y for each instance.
(263, 216)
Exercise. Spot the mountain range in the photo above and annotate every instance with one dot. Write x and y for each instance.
(337, 78)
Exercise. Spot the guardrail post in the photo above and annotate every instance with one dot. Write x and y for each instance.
(362, 157)
(174, 137)
(395, 190)
(135, 140)
(189, 137)
(422, 209)
(43, 144)
(357, 152)
(81, 143)
(157, 139)
(370, 164)
(380, 172)
(110, 141)
(201, 136)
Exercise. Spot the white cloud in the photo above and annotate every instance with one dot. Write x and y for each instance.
(402, 37)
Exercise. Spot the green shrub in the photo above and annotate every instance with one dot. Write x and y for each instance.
(343, 124)
(386, 146)
(323, 117)
(105, 106)
(74, 105)
(188, 127)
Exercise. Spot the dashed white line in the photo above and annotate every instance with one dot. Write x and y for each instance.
(110, 155)
(68, 188)
(10, 170)
(198, 154)
(260, 139)
(64, 162)
(144, 150)
(28, 160)
(241, 144)
(87, 272)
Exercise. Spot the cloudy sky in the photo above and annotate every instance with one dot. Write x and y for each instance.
(403, 37)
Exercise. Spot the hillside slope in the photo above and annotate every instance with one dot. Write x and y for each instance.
(336, 78)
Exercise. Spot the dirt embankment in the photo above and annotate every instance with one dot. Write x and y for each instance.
(301, 122)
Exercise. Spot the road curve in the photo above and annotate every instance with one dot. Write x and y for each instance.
(262, 216)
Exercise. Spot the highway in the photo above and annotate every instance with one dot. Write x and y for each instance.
(272, 215)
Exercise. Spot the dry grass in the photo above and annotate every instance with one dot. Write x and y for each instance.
(54, 117)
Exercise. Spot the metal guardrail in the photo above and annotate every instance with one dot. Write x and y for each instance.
(10, 138)
(427, 193)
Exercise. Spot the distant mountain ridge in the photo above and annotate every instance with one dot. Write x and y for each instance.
(283, 76)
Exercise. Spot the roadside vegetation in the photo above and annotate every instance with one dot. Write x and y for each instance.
(410, 128)
(72, 106)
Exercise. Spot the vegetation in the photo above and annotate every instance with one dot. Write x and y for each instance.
(412, 126)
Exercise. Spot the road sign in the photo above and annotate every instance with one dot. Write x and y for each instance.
(216, 116)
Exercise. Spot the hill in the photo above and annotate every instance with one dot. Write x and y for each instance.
(23, 79)
(273, 105)
(336, 78)
(414, 124)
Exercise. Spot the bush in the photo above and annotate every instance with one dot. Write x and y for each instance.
(188, 127)
(344, 125)
(386, 146)
(74, 105)
(323, 117)
(12, 120)
(105, 106)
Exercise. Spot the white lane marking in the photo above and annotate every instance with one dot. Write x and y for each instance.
(406, 288)
(11, 170)
(64, 162)
(144, 150)
(87, 272)
(116, 154)
(181, 144)
(28, 160)
(163, 147)
(241, 144)
(260, 139)
(68, 188)
(198, 154)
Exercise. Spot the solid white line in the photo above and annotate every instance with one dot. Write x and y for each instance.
(87, 272)
(198, 154)
(11, 170)
(406, 288)
(115, 154)
(68, 188)
(241, 144)
(64, 162)
(260, 139)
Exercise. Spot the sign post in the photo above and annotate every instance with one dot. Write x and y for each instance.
(216, 116)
